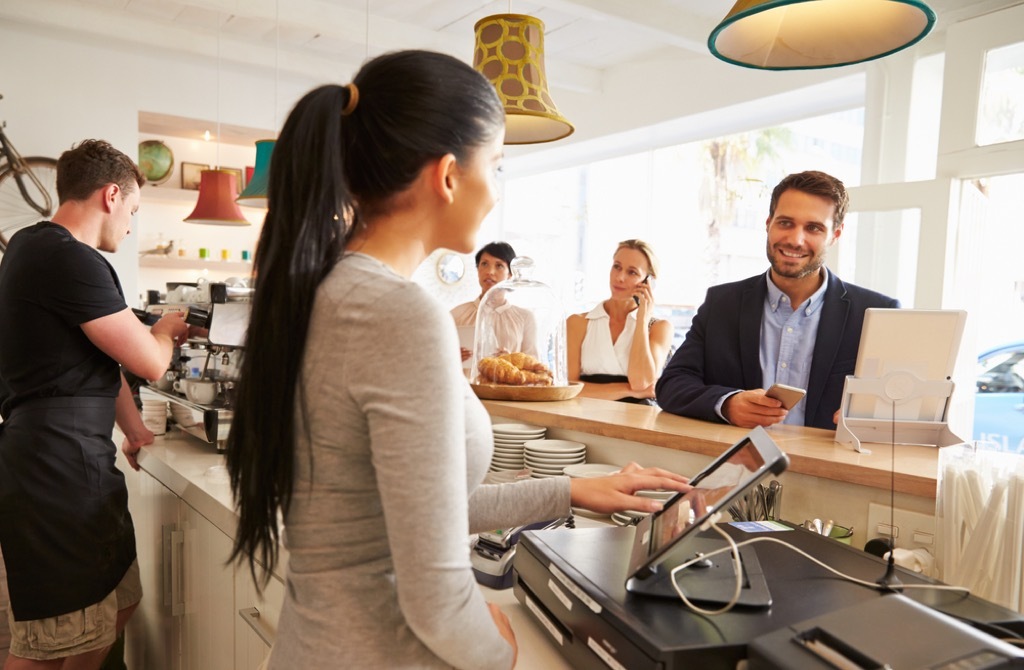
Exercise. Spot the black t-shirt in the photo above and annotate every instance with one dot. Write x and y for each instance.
(50, 284)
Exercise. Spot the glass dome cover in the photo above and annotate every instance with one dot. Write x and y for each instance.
(520, 333)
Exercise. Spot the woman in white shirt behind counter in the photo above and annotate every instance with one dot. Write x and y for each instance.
(618, 349)
(516, 328)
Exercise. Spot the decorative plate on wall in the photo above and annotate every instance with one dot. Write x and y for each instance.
(156, 160)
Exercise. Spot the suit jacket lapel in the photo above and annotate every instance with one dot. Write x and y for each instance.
(834, 314)
(751, 313)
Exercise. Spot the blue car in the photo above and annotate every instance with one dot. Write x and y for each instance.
(999, 400)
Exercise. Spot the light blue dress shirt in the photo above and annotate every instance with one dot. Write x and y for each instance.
(787, 343)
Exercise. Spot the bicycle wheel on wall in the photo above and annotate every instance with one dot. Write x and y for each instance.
(15, 212)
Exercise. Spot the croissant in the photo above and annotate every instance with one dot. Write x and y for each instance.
(525, 362)
(537, 378)
(501, 371)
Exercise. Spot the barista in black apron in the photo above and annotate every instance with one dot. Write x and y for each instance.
(66, 533)
(65, 530)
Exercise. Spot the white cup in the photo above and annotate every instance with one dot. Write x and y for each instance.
(154, 416)
(199, 391)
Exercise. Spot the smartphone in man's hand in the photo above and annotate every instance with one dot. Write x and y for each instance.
(789, 396)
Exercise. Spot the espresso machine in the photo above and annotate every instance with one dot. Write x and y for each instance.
(200, 382)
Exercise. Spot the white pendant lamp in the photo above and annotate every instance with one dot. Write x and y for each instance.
(810, 34)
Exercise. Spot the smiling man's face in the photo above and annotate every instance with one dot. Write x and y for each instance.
(800, 231)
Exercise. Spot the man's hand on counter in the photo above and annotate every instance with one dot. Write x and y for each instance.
(616, 493)
(132, 443)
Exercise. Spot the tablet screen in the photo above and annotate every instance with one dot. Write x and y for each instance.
(706, 496)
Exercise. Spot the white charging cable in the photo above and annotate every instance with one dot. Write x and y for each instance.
(734, 546)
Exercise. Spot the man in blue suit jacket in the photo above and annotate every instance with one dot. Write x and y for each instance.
(797, 324)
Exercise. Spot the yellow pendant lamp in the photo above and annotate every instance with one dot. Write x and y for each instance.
(510, 53)
(810, 34)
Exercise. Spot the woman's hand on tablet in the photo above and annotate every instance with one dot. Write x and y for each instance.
(616, 493)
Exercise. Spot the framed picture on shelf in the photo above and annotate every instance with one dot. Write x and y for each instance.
(239, 179)
(190, 175)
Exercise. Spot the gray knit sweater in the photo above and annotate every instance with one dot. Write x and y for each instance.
(387, 488)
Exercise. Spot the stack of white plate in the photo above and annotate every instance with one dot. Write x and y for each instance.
(548, 458)
(584, 470)
(629, 517)
(508, 444)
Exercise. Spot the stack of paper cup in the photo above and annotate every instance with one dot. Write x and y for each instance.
(154, 415)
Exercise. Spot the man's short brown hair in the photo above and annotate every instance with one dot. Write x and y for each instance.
(819, 184)
(91, 165)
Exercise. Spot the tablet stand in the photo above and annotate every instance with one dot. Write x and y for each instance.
(897, 388)
(713, 582)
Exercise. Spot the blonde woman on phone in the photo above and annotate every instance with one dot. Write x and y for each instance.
(618, 348)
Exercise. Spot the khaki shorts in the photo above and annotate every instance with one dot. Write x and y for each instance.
(75, 633)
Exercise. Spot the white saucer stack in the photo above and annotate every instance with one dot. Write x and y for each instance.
(508, 444)
(548, 458)
(584, 470)
(627, 518)
(630, 517)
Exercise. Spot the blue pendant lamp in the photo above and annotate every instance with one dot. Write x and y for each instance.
(811, 34)
(255, 193)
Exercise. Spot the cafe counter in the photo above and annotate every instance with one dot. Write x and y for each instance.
(824, 480)
(185, 520)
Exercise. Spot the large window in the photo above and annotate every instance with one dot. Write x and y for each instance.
(701, 205)
(1001, 108)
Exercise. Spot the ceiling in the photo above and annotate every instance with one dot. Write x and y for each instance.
(590, 45)
(327, 39)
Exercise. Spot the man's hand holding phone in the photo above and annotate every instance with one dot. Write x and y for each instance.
(748, 409)
(789, 396)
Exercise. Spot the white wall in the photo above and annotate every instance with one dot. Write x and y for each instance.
(59, 90)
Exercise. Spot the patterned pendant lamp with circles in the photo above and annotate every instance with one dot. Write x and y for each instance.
(510, 53)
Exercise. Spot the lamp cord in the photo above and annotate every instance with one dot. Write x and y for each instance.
(277, 55)
(218, 90)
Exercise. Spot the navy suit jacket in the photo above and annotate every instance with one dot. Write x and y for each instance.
(721, 352)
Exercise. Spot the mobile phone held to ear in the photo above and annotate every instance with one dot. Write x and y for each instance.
(649, 280)
(789, 396)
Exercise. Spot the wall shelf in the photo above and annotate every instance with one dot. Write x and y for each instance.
(176, 263)
(169, 194)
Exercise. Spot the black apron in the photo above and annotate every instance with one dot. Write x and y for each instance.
(66, 533)
(611, 379)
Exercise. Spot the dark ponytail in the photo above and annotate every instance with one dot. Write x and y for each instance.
(328, 170)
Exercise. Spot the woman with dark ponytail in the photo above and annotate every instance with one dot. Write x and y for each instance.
(353, 418)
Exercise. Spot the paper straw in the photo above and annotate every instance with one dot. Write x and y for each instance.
(979, 556)
(1015, 541)
(948, 526)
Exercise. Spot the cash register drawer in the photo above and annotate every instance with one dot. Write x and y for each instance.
(589, 640)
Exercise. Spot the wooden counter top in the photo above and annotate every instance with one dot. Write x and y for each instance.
(812, 451)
